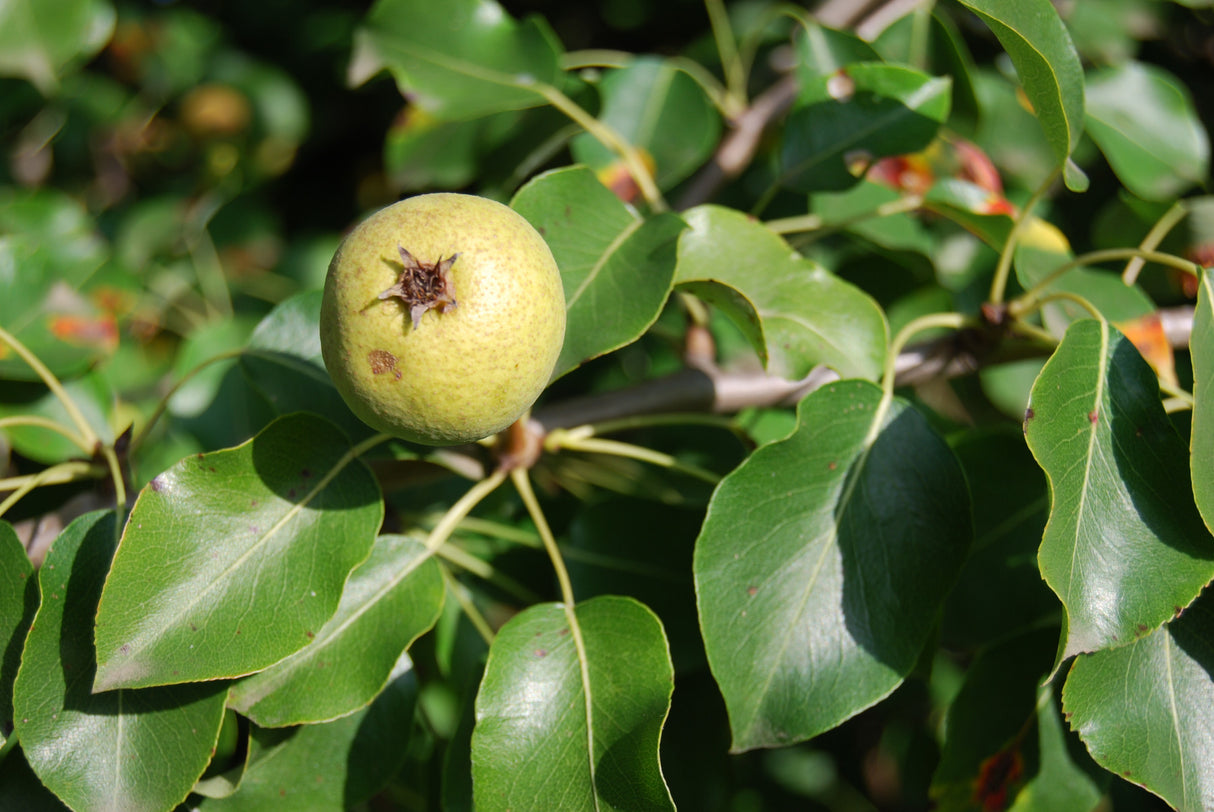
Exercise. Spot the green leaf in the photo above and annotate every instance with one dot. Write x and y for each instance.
(102, 751)
(616, 267)
(1047, 65)
(1104, 290)
(569, 717)
(215, 338)
(18, 602)
(49, 249)
(232, 560)
(795, 313)
(282, 363)
(659, 109)
(1004, 717)
(94, 399)
(1145, 710)
(390, 599)
(20, 789)
(821, 51)
(1125, 548)
(1201, 439)
(1000, 591)
(460, 59)
(328, 767)
(823, 562)
(1144, 122)
(853, 118)
(38, 41)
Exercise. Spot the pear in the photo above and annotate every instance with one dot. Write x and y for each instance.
(442, 319)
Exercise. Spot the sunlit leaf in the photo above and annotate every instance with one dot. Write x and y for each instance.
(570, 718)
(38, 41)
(1145, 710)
(1201, 346)
(616, 267)
(232, 560)
(823, 562)
(1125, 548)
(390, 599)
(1047, 65)
(795, 312)
(460, 59)
(1144, 122)
(106, 750)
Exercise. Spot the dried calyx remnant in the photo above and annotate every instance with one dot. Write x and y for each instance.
(422, 286)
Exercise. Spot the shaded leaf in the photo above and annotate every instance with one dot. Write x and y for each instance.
(1047, 65)
(570, 718)
(232, 560)
(18, 602)
(461, 59)
(795, 312)
(847, 121)
(390, 599)
(94, 399)
(1144, 122)
(616, 267)
(333, 766)
(102, 751)
(823, 562)
(1124, 548)
(1145, 710)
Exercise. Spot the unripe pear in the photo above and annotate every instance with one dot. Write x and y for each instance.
(442, 318)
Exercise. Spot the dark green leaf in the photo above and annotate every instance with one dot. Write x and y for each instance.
(855, 117)
(1144, 122)
(1047, 65)
(232, 560)
(460, 59)
(795, 313)
(1125, 548)
(824, 561)
(390, 599)
(821, 51)
(569, 717)
(616, 267)
(107, 750)
(1146, 710)
(18, 602)
(328, 767)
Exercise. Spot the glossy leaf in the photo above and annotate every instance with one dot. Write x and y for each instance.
(390, 599)
(18, 602)
(1144, 122)
(102, 751)
(1145, 710)
(460, 59)
(1047, 65)
(849, 120)
(1125, 548)
(795, 313)
(823, 562)
(20, 789)
(328, 767)
(1201, 347)
(38, 41)
(657, 108)
(616, 267)
(232, 560)
(570, 718)
(821, 51)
